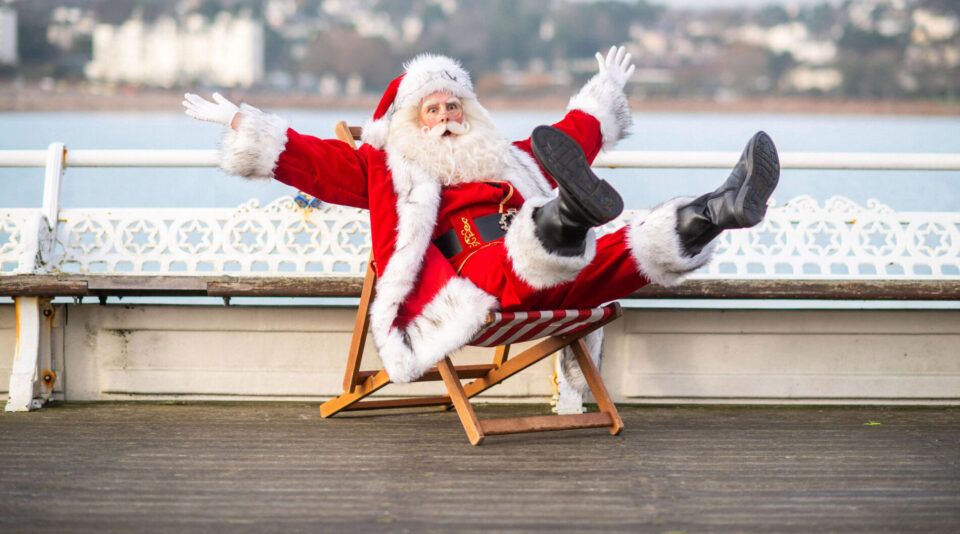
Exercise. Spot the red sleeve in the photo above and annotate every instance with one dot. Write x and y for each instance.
(583, 128)
(328, 169)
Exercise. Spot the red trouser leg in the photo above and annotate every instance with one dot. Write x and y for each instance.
(611, 275)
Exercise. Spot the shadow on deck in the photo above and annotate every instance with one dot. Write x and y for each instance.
(130, 467)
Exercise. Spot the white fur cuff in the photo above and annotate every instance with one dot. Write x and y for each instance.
(252, 151)
(533, 263)
(448, 322)
(655, 246)
(604, 100)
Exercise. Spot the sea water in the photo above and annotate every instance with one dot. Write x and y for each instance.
(184, 187)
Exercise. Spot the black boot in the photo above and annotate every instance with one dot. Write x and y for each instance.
(740, 202)
(584, 200)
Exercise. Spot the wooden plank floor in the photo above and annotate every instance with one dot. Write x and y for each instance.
(278, 467)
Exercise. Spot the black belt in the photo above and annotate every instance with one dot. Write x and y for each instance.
(491, 227)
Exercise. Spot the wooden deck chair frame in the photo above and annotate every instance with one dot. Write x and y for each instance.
(358, 384)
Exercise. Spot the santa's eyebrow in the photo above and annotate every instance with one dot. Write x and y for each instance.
(429, 103)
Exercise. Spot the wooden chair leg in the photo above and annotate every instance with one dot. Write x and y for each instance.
(460, 401)
(357, 343)
(600, 394)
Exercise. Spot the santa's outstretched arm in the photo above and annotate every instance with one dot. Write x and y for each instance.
(262, 146)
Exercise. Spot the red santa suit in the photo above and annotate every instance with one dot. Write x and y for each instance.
(441, 262)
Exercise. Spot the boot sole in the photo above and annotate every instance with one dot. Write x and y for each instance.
(565, 162)
(763, 174)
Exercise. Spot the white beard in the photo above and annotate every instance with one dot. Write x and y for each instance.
(477, 155)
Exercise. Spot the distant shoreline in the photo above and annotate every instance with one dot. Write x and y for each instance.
(25, 99)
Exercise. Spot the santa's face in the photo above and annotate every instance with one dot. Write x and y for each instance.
(452, 139)
(441, 113)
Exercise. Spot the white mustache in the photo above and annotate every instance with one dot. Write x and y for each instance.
(458, 128)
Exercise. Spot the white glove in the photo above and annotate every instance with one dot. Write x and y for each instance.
(221, 111)
(616, 66)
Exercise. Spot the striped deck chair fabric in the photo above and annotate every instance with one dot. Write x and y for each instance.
(505, 328)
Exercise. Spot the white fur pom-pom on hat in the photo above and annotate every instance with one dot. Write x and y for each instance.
(423, 75)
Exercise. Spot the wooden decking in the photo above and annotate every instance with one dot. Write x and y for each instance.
(280, 468)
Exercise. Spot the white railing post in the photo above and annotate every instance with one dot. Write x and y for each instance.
(30, 364)
(34, 340)
(53, 178)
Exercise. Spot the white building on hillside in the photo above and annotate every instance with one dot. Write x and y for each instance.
(8, 36)
(227, 52)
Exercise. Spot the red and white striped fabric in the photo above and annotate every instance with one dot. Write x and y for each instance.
(514, 327)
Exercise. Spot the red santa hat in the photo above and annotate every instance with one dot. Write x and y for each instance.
(423, 75)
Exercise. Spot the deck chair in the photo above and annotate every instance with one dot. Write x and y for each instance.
(556, 328)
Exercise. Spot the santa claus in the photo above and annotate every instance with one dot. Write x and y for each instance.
(464, 222)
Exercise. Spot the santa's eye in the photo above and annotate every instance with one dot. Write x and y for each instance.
(452, 107)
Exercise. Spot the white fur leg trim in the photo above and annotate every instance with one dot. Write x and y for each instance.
(605, 100)
(569, 370)
(569, 400)
(534, 264)
(447, 323)
(253, 150)
(655, 246)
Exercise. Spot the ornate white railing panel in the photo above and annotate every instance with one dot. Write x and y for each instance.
(15, 242)
(279, 239)
(800, 240)
(842, 240)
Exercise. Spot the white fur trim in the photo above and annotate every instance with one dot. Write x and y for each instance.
(604, 99)
(375, 133)
(523, 172)
(568, 370)
(447, 323)
(655, 245)
(252, 151)
(532, 262)
(429, 73)
(418, 199)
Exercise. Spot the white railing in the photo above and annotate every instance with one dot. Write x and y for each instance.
(798, 240)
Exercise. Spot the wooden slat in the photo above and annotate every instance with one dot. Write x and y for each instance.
(399, 403)
(501, 354)
(806, 289)
(432, 374)
(544, 423)
(365, 388)
(351, 286)
(294, 286)
(146, 283)
(29, 285)
(347, 134)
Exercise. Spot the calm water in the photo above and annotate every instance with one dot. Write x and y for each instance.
(905, 191)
